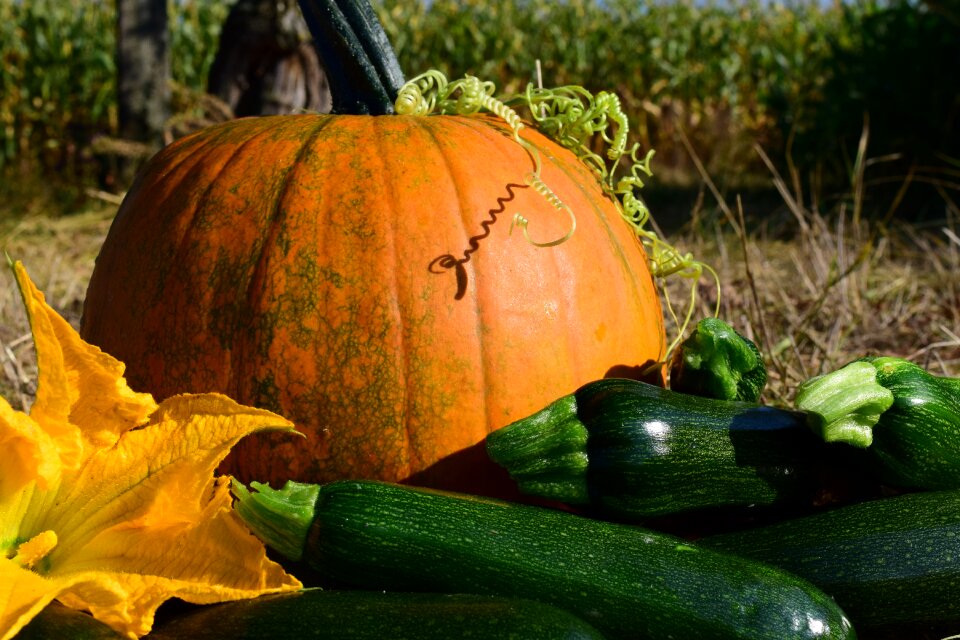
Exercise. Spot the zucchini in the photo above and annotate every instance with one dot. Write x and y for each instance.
(372, 615)
(715, 361)
(888, 561)
(631, 451)
(59, 621)
(913, 437)
(625, 581)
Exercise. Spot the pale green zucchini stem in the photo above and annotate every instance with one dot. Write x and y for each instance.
(546, 453)
(848, 401)
(281, 518)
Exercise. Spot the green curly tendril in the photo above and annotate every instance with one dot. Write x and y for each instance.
(572, 116)
(431, 93)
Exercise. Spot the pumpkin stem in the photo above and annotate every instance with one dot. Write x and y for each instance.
(361, 66)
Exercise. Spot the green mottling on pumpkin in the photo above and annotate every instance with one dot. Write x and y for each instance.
(304, 267)
(266, 392)
(223, 323)
(284, 239)
(301, 335)
(208, 216)
(265, 323)
(334, 277)
(337, 326)
(228, 283)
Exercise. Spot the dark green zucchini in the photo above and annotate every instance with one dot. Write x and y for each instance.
(888, 561)
(57, 621)
(631, 450)
(715, 361)
(626, 581)
(913, 437)
(374, 615)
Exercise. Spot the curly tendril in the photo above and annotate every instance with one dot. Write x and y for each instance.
(543, 189)
(430, 92)
(418, 97)
(573, 117)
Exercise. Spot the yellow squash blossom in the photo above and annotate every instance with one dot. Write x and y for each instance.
(108, 501)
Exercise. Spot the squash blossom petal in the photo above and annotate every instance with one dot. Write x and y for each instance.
(108, 501)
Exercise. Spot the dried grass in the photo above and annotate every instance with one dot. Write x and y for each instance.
(834, 294)
(839, 289)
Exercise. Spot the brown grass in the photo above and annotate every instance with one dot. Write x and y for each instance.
(839, 289)
(837, 292)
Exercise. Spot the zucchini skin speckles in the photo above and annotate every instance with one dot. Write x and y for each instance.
(626, 581)
(888, 561)
(916, 442)
(632, 451)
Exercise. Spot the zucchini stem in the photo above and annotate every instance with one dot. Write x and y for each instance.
(546, 453)
(717, 362)
(281, 518)
(848, 402)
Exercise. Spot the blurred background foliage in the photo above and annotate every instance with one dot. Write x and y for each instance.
(820, 88)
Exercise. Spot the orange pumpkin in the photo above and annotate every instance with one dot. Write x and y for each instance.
(357, 275)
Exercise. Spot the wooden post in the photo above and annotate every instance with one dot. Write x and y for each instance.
(143, 69)
(266, 62)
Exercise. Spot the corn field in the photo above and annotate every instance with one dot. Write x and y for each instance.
(58, 73)
(799, 78)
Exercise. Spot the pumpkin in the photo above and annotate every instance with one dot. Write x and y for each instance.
(357, 274)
